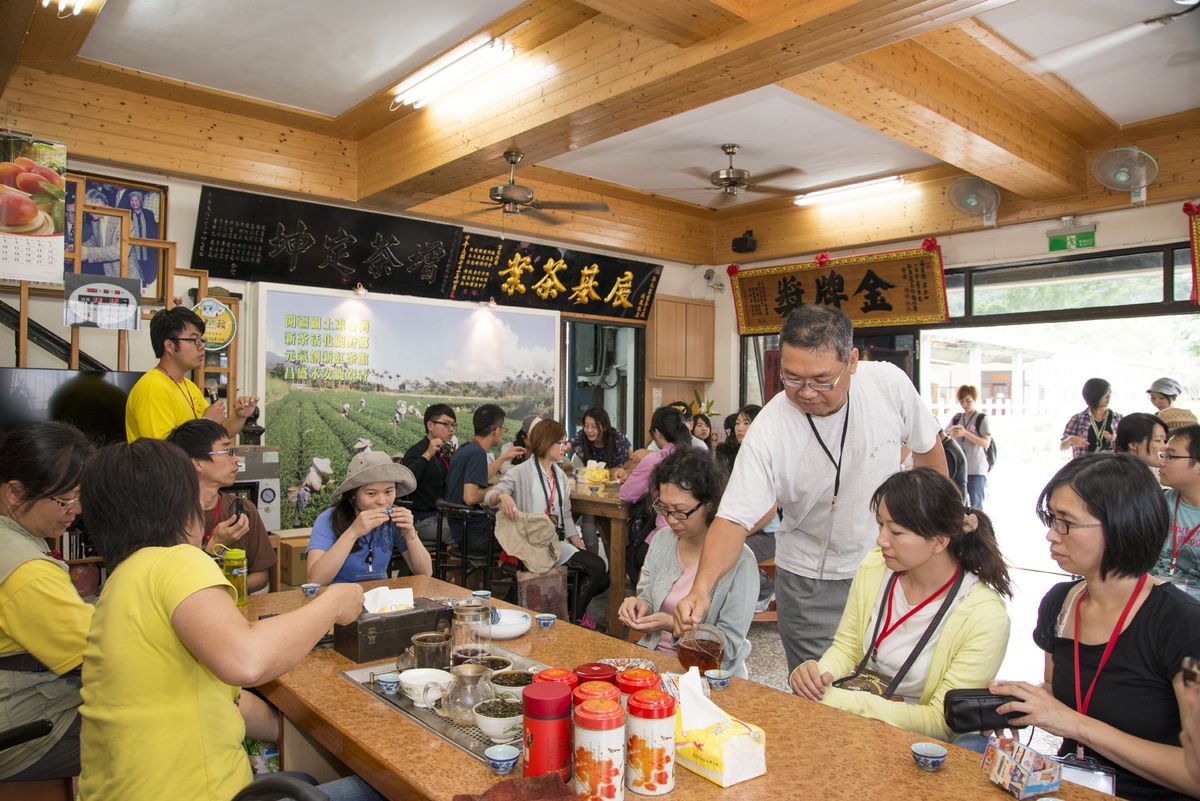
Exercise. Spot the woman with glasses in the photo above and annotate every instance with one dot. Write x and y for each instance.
(925, 613)
(43, 621)
(539, 486)
(1116, 639)
(1143, 436)
(689, 487)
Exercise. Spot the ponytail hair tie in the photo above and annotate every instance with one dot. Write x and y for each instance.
(970, 523)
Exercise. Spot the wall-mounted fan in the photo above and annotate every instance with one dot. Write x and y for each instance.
(1088, 48)
(731, 180)
(512, 198)
(1126, 169)
(975, 197)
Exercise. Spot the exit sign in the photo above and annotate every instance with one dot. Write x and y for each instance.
(1083, 239)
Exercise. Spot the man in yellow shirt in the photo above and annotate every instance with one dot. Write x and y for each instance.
(164, 397)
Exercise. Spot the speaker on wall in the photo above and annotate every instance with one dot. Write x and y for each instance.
(746, 243)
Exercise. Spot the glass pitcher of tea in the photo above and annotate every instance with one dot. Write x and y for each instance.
(470, 632)
(702, 647)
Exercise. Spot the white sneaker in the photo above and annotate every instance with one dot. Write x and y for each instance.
(764, 604)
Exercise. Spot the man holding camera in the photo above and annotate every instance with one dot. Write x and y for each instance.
(429, 461)
(229, 519)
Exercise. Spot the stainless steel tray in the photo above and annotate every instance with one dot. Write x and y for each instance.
(465, 738)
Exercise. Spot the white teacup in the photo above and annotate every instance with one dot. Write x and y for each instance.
(413, 683)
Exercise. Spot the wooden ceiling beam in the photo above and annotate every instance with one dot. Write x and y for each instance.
(680, 22)
(913, 95)
(921, 209)
(610, 80)
(52, 40)
(15, 18)
(983, 54)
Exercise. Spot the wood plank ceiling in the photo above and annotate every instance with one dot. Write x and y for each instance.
(921, 71)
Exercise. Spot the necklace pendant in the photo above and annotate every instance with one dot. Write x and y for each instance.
(833, 506)
(1171, 573)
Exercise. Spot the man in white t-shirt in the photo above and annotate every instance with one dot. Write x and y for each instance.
(818, 450)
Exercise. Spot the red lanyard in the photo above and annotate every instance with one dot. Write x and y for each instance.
(888, 627)
(1176, 545)
(550, 493)
(216, 519)
(187, 396)
(1081, 701)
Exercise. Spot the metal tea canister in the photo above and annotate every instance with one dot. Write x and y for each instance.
(599, 754)
(547, 742)
(557, 676)
(596, 671)
(233, 565)
(631, 680)
(650, 743)
(595, 689)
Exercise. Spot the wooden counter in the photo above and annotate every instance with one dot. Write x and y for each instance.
(813, 751)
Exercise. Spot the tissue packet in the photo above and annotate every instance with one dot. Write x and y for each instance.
(1020, 770)
(723, 749)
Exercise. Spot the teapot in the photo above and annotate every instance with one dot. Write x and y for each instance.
(458, 699)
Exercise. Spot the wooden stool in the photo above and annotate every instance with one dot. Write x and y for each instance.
(769, 616)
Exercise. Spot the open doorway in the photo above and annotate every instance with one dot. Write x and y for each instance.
(1029, 379)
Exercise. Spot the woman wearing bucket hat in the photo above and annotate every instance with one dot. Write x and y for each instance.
(353, 539)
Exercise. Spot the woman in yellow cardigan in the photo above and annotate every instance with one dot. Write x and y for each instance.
(925, 612)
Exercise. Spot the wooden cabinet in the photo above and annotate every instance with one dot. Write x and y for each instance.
(682, 334)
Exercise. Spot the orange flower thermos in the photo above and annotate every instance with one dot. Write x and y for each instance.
(650, 743)
(599, 754)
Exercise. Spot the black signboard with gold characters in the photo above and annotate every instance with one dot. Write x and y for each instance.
(260, 238)
(533, 276)
(901, 287)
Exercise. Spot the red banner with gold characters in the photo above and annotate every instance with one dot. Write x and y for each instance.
(900, 287)
(1192, 210)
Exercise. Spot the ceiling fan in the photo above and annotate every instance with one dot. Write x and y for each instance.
(731, 180)
(1072, 54)
(512, 198)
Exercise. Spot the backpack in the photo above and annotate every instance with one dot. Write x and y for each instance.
(990, 453)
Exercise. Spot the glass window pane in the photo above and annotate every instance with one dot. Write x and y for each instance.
(1183, 274)
(1108, 281)
(956, 294)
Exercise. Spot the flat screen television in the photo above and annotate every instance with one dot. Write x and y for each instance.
(92, 400)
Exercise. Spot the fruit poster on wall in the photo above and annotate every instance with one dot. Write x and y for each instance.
(31, 208)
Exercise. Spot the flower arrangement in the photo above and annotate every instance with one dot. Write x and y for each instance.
(701, 406)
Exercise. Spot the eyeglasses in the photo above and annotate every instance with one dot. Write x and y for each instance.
(446, 423)
(224, 452)
(672, 513)
(197, 341)
(1190, 671)
(1061, 526)
(814, 385)
(67, 504)
(1167, 455)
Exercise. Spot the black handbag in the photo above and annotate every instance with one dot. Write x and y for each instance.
(975, 710)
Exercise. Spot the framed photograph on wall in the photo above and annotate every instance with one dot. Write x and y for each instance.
(147, 208)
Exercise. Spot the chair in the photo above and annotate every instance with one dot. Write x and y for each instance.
(273, 788)
(45, 790)
(448, 558)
